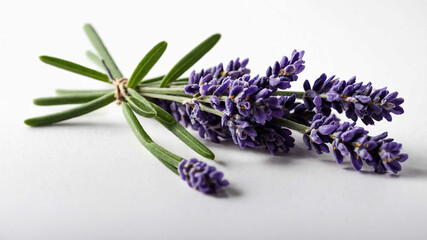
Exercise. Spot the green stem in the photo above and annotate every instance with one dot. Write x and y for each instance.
(182, 100)
(155, 81)
(289, 93)
(178, 99)
(291, 125)
(205, 108)
(207, 99)
(171, 91)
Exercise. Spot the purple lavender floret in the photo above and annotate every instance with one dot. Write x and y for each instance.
(355, 99)
(379, 152)
(348, 140)
(274, 138)
(301, 114)
(390, 156)
(312, 97)
(205, 123)
(282, 73)
(251, 102)
(271, 136)
(287, 104)
(207, 81)
(318, 135)
(201, 176)
(242, 132)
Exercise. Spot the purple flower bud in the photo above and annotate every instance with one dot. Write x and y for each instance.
(281, 74)
(200, 176)
(356, 99)
(347, 139)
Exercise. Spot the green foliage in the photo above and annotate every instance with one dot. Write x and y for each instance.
(190, 59)
(75, 68)
(146, 64)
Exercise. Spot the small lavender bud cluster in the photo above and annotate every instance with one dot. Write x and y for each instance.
(207, 81)
(282, 73)
(380, 152)
(201, 176)
(356, 99)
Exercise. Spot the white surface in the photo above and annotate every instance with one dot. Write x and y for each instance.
(89, 178)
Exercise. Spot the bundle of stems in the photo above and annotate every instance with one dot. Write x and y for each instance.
(128, 94)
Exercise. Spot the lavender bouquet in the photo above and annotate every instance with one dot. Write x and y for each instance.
(227, 102)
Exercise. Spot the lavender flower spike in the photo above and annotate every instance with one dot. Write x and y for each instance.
(382, 153)
(200, 176)
(356, 99)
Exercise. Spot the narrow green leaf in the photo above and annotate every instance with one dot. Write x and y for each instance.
(102, 50)
(75, 68)
(73, 112)
(178, 130)
(140, 108)
(172, 168)
(146, 64)
(190, 59)
(135, 125)
(163, 116)
(95, 59)
(159, 152)
(67, 99)
(140, 111)
(143, 104)
(73, 91)
(163, 154)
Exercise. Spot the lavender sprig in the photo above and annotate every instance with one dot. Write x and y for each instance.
(380, 152)
(228, 103)
(356, 99)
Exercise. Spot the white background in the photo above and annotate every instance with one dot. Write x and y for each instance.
(89, 178)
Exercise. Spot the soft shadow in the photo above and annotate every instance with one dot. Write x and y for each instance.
(227, 192)
(366, 172)
(220, 162)
(347, 165)
(282, 158)
(413, 173)
(279, 160)
(405, 173)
